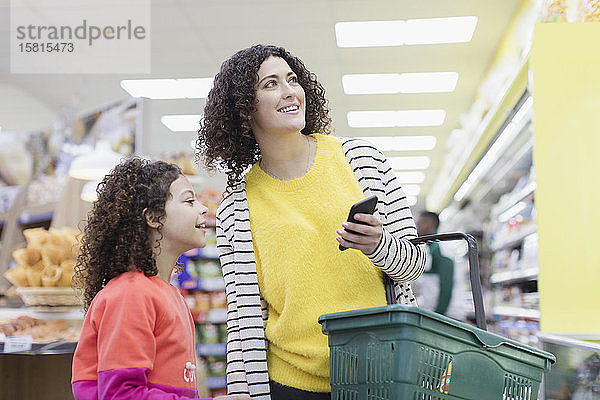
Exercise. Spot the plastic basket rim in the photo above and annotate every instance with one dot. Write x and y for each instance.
(410, 309)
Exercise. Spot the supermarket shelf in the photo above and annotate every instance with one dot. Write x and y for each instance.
(215, 284)
(515, 238)
(211, 349)
(75, 314)
(216, 382)
(485, 132)
(58, 347)
(39, 213)
(209, 252)
(217, 315)
(510, 311)
(514, 199)
(517, 275)
(211, 284)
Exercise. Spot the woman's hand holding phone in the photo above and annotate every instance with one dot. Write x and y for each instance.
(364, 236)
(362, 231)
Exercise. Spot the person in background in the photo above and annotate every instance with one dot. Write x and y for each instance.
(137, 340)
(438, 266)
(280, 224)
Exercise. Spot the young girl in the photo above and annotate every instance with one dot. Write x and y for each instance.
(137, 340)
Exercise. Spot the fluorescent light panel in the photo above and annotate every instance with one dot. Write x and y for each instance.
(514, 210)
(409, 32)
(508, 134)
(405, 177)
(411, 162)
(411, 190)
(420, 82)
(189, 88)
(412, 200)
(401, 143)
(401, 118)
(181, 123)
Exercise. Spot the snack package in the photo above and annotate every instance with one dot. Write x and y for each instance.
(589, 11)
(218, 300)
(554, 11)
(209, 333)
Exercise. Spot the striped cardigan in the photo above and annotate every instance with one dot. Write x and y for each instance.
(247, 311)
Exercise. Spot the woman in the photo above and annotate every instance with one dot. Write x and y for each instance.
(280, 225)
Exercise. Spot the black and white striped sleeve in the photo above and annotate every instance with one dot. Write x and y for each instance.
(395, 255)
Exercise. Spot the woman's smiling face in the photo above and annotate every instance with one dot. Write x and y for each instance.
(280, 99)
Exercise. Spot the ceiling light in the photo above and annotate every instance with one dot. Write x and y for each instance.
(369, 33)
(411, 190)
(371, 83)
(428, 82)
(96, 164)
(412, 162)
(410, 176)
(421, 82)
(189, 88)
(182, 123)
(410, 32)
(412, 200)
(445, 214)
(88, 191)
(440, 30)
(401, 143)
(402, 118)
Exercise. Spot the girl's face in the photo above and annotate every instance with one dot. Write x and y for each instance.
(280, 99)
(184, 225)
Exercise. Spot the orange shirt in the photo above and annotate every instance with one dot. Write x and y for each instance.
(138, 322)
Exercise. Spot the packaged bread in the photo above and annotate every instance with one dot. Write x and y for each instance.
(27, 256)
(48, 260)
(51, 276)
(36, 237)
(17, 276)
(53, 255)
(67, 272)
(34, 277)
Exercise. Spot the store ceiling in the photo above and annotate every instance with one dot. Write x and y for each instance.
(191, 38)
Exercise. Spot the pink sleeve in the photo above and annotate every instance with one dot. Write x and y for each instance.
(132, 383)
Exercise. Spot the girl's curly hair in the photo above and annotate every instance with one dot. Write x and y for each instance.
(225, 138)
(116, 238)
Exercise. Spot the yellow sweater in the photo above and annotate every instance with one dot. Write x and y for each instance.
(301, 272)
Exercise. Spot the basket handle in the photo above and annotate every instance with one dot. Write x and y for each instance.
(473, 271)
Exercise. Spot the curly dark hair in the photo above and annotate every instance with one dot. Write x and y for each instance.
(225, 138)
(116, 238)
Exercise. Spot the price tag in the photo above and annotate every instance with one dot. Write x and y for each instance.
(16, 344)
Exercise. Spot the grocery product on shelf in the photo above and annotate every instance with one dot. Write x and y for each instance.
(555, 11)
(48, 260)
(589, 11)
(41, 331)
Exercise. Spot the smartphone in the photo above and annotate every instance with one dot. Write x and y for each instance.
(366, 206)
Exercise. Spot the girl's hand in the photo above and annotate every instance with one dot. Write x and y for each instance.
(365, 236)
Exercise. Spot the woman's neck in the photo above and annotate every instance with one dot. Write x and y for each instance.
(287, 157)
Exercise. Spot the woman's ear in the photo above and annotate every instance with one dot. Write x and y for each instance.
(152, 220)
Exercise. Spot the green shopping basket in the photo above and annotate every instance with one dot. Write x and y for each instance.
(403, 352)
